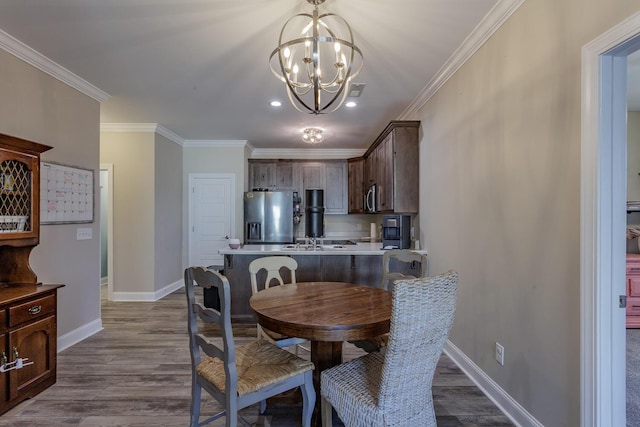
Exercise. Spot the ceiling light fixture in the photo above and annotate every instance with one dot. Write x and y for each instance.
(316, 57)
(312, 135)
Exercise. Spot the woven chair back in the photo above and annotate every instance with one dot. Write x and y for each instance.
(421, 318)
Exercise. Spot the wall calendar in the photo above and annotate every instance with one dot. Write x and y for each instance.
(66, 194)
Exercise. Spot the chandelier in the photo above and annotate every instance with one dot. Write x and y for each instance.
(312, 135)
(316, 59)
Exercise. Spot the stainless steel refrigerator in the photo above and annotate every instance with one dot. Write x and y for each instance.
(268, 217)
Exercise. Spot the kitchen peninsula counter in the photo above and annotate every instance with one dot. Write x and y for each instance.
(361, 248)
(360, 263)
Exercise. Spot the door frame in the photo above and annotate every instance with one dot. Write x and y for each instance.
(109, 168)
(232, 203)
(603, 223)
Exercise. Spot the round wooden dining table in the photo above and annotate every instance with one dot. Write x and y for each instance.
(325, 313)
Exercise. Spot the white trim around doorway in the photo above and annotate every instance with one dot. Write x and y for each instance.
(603, 207)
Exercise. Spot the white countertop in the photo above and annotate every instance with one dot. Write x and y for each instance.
(365, 248)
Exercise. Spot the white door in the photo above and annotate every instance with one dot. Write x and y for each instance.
(212, 217)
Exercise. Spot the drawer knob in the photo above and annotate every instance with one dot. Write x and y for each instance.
(35, 309)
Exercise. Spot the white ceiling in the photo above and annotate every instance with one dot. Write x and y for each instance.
(200, 68)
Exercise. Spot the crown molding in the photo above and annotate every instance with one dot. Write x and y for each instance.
(44, 64)
(497, 16)
(202, 143)
(306, 153)
(142, 127)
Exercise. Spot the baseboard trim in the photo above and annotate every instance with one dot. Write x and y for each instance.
(83, 332)
(502, 400)
(147, 296)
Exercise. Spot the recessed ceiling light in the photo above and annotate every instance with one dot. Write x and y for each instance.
(350, 104)
(276, 104)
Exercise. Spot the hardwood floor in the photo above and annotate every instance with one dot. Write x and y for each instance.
(136, 372)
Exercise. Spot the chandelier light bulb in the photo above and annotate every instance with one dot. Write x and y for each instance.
(317, 60)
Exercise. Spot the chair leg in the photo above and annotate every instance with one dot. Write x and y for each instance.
(308, 399)
(327, 413)
(195, 404)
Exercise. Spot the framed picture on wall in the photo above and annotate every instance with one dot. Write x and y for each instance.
(66, 194)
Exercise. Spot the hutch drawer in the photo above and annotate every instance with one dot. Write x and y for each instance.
(33, 309)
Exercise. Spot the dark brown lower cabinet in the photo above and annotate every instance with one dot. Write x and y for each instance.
(360, 269)
(27, 334)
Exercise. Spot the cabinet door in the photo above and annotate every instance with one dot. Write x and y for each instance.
(37, 342)
(335, 192)
(368, 270)
(338, 268)
(405, 169)
(286, 176)
(4, 376)
(262, 175)
(356, 185)
(236, 269)
(19, 206)
(370, 168)
(312, 178)
(385, 174)
(313, 175)
(309, 268)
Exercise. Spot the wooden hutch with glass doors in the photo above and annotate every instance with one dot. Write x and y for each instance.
(28, 309)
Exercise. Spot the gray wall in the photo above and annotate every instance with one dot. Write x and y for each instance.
(132, 156)
(500, 199)
(168, 212)
(147, 175)
(38, 107)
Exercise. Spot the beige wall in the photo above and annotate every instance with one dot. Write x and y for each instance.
(132, 156)
(168, 213)
(214, 160)
(500, 193)
(38, 107)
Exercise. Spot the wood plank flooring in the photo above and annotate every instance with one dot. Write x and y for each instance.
(136, 372)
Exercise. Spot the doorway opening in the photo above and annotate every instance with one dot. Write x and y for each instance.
(106, 229)
(603, 223)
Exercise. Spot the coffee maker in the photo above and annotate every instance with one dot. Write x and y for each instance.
(396, 231)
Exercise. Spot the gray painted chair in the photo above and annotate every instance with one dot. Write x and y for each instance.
(241, 376)
(273, 265)
(394, 388)
(404, 256)
(396, 256)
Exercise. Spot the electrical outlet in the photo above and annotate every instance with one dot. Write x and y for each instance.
(84, 234)
(499, 353)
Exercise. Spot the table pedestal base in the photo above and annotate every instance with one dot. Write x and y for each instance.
(324, 355)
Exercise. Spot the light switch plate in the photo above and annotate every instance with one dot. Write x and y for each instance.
(84, 234)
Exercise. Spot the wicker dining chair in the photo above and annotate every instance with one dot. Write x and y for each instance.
(241, 376)
(273, 265)
(394, 388)
(394, 257)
